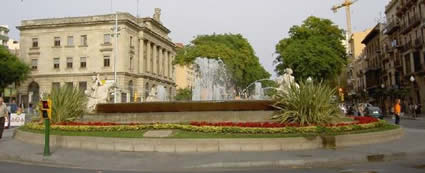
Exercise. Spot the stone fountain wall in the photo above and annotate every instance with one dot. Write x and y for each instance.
(183, 112)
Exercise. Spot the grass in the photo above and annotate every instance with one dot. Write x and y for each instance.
(180, 134)
(113, 134)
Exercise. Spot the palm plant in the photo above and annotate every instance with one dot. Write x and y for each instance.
(307, 104)
(68, 103)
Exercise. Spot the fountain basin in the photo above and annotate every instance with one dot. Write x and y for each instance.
(184, 112)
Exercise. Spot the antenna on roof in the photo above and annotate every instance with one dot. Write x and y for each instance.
(137, 15)
(111, 6)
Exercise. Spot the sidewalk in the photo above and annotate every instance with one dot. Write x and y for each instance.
(13, 150)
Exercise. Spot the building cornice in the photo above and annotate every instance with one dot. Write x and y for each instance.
(146, 76)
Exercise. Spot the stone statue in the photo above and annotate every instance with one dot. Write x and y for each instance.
(97, 93)
(152, 95)
(286, 81)
(157, 14)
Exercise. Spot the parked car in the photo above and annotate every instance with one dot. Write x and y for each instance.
(373, 111)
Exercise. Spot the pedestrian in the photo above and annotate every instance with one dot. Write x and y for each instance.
(415, 109)
(397, 111)
(13, 107)
(3, 115)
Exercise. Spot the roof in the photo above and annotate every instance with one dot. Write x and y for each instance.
(372, 34)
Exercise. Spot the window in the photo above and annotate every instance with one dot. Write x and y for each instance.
(106, 61)
(131, 63)
(83, 62)
(56, 85)
(34, 42)
(34, 64)
(57, 41)
(82, 86)
(84, 40)
(69, 62)
(107, 39)
(69, 84)
(70, 40)
(131, 41)
(56, 62)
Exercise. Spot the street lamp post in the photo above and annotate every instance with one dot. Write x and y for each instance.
(412, 79)
(383, 98)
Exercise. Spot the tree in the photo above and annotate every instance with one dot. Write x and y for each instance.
(184, 94)
(11, 68)
(235, 51)
(313, 49)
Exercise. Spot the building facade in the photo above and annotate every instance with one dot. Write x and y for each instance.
(410, 15)
(4, 38)
(184, 73)
(356, 78)
(70, 51)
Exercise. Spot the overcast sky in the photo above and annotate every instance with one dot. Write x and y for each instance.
(262, 22)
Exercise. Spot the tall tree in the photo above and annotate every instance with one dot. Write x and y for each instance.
(313, 49)
(235, 51)
(11, 68)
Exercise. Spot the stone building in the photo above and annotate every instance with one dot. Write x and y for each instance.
(70, 51)
(356, 78)
(4, 38)
(184, 73)
(373, 59)
(410, 15)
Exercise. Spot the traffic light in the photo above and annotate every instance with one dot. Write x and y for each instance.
(46, 109)
(341, 94)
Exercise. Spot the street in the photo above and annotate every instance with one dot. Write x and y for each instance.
(411, 165)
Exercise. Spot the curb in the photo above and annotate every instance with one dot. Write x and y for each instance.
(210, 145)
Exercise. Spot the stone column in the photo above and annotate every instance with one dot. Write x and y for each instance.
(167, 65)
(140, 56)
(158, 49)
(148, 56)
(154, 58)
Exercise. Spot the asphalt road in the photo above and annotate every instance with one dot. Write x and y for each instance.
(411, 165)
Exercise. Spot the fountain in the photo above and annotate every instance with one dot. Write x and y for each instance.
(211, 81)
(212, 101)
(157, 94)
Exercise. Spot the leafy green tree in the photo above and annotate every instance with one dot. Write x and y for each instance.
(313, 49)
(11, 68)
(235, 51)
(183, 94)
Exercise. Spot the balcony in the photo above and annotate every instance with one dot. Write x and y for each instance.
(392, 27)
(419, 43)
(414, 22)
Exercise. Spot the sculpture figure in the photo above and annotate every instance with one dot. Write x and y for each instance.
(97, 93)
(286, 81)
(152, 95)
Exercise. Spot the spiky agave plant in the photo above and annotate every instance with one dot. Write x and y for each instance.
(310, 103)
(68, 103)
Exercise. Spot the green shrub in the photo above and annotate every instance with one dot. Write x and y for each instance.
(309, 104)
(68, 103)
(183, 94)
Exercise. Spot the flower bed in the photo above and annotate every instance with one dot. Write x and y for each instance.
(360, 124)
(357, 121)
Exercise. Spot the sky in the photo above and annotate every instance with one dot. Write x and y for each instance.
(262, 22)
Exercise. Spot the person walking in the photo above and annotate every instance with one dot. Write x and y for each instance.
(3, 115)
(397, 111)
(13, 108)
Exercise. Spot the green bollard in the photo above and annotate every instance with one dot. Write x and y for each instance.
(46, 137)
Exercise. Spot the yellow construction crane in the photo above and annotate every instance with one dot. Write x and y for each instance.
(347, 4)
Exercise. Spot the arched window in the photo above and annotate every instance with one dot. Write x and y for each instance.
(34, 92)
(131, 91)
(146, 90)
